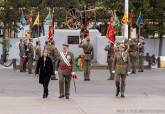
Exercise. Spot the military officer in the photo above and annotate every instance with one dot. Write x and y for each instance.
(133, 55)
(89, 54)
(121, 69)
(141, 56)
(37, 51)
(53, 55)
(110, 57)
(21, 54)
(30, 56)
(65, 65)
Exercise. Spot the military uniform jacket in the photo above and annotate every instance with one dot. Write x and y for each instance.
(37, 52)
(21, 50)
(121, 64)
(88, 50)
(111, 53)
(63, 67)
(30, 51)
(54, 53)
(133, 50)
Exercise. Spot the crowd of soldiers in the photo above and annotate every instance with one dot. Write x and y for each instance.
(123, 58)
(29, 53)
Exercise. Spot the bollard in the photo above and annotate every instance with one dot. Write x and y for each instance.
(14, 63)
(158, 60)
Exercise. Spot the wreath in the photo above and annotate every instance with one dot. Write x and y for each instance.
(79, 61)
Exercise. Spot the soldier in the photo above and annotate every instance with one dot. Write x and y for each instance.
(89, 54)
(37, 51)
(133, 55)
(121, 69)
(141, 56)
(53, 55)
(48, 46)
(21, 54)
(65, 65)
(26, 55)
(30, 56)
(110, 57)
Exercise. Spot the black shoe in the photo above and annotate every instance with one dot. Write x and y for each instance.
(67, 97)
(54, 78)
(44, 96)
(110, 78)
(140, 71)
(117, 92)
(133, 72)
(122, 96)
(61, 96)
(86, 79)
(30, 72)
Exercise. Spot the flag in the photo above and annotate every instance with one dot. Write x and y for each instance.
(51, 29)
(140, 20)
(37, 20)
(30, 18)
(48, 18)
(111, 31)
(23, 20)
(125, 19)
(116, 22)
(87, 22)
(130, 19)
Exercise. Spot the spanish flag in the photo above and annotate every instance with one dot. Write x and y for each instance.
(37, 20)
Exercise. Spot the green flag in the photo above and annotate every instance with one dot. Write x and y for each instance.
(48, 18)
(116, 22)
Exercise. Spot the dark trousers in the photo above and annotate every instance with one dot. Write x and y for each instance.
(45, 85)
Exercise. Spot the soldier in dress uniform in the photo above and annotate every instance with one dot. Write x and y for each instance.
(30, 56)
(21, 54)
(110, 57)
(65, 65)
(37, 51)
(89, 54)
(26, 55)
(54, 56)
(133, 55)
(121, 69)
(141, 55)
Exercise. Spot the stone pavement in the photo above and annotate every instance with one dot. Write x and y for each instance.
(20, 93)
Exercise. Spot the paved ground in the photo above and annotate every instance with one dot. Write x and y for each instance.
(20, 93)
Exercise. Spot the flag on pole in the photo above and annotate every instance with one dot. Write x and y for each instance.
(37, 20)
(48, 18)
(140, 20)
(125, 19)
(111, 31)
(23, 20)
(30, 19)
(131, 19)
(51, 29)
(116, 22)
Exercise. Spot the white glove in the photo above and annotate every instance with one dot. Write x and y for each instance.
(73, 73)
(56, 72)
(113, 72)
(128, 73)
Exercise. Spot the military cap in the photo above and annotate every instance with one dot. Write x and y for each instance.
(66, 45)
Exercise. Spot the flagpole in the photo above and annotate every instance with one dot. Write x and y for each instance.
(126, 24)
(38, 26)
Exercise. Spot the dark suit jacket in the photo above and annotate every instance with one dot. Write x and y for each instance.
(44, 69)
